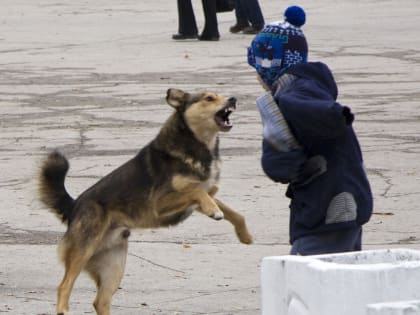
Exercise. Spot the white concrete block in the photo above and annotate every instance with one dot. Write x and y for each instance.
(339, 283)
(395, 308)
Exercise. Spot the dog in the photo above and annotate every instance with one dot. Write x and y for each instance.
(172, 176)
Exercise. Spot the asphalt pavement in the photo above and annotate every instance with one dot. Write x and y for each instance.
(90, 78)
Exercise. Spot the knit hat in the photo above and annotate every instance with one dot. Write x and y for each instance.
(278, 46)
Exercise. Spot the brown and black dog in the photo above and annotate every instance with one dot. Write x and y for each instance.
(175, 174)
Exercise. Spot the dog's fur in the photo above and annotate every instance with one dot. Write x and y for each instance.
(172, 176)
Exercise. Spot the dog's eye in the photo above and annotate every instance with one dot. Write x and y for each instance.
(209, 99)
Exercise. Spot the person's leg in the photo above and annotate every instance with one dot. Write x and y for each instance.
(241, 18)
(254, 15)
(187, 26)
(211, 30)
(330, 242)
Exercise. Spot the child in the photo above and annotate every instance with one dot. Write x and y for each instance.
(309, 142)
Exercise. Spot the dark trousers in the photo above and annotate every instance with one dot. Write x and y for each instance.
(186, 19)
(249, 11)
(329, 242)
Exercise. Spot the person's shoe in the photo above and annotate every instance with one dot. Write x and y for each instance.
(208, 37)
(252, 30)
(238, 27)
(179, 36)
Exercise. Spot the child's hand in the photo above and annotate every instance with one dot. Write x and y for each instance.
(348, 115)
(311, 169)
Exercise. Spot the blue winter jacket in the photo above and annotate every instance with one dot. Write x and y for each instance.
(328, 186)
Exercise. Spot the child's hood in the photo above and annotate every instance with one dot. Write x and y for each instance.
(310, 105)
(316, 71)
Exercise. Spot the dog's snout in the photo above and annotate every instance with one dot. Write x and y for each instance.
(232, 100)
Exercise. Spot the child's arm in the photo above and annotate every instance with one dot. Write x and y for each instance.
(275, 128)
(292, 166)
(281, 167)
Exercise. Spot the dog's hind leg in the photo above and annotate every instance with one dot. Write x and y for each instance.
(107, 266)
(77, 247)
(238, 222)
(66, 285)
(75, 259)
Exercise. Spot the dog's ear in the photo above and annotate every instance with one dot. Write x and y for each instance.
(176, 97)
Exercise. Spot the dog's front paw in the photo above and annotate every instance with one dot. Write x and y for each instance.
(244, 237)
(218, 215)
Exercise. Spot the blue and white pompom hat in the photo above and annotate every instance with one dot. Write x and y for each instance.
(278, 46)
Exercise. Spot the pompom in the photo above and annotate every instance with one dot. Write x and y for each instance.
(295, 15)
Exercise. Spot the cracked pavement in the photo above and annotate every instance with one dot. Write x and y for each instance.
(90, 78)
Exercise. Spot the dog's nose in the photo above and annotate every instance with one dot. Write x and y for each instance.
(232, 100)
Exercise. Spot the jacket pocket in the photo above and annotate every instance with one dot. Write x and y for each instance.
(306, 206)
(310, 170)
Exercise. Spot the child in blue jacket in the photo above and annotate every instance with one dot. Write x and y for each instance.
(309, 142)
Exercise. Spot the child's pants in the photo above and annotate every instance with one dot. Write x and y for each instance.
(329, 242)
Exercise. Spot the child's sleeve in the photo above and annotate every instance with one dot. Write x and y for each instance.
(279, 166)
(282, 155)
(275, 128)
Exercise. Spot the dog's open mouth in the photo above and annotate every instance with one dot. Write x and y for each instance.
(222, 117)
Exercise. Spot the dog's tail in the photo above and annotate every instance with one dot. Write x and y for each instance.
(51, 186)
